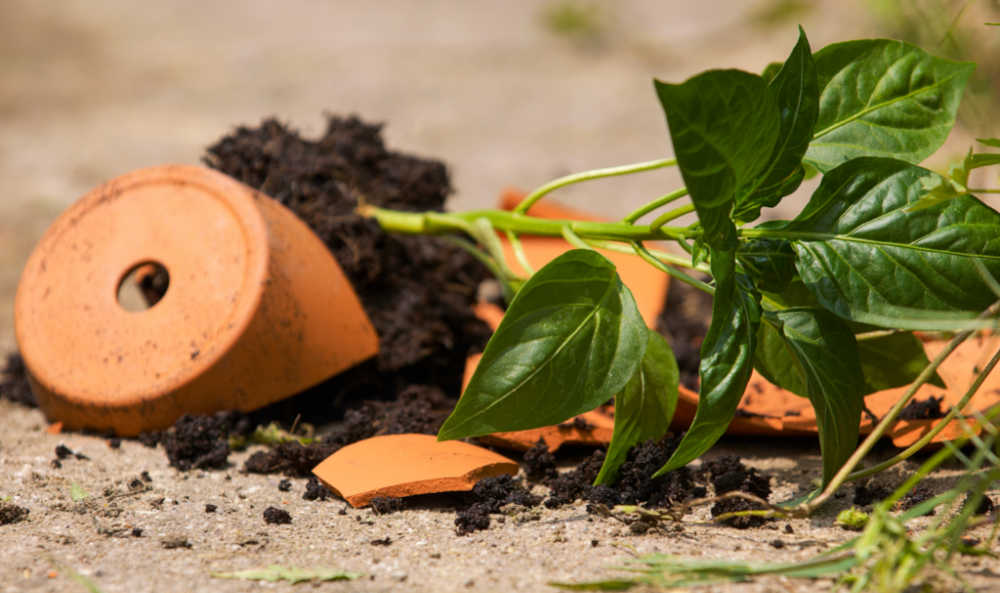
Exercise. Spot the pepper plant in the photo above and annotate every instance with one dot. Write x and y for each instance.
(823, 305)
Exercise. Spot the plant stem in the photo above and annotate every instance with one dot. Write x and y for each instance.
(555, 184)
(654, 261)
(657, 203)
(670, 215)
(983, 190)
(574, 239)
(938, 427)
(437, 223)
(519, 254)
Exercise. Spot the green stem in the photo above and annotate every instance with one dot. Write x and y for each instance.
(574, 239)
(941, 425)
(555, 184)
(519, 254)
(437, 223)
(654, 261)
(663, 256)
(670, 215)
(657, 203)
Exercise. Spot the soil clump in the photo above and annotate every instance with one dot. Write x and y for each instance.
(684, 322)
(12, 513)
(418, 291)
(729, 475)
(14, 384)
(925, 409)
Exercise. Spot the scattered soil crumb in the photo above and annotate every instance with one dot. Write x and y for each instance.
(635, 485)
(925, 409)
(539, 463)
(728, 474)
(491, 495)
(472, 518)
(384, 505)
(200, 442)
(175, 542)
(912, 498)
(316, 491)
(211, 508)
(276, 516)
(14, 385)
(985, 506)
(284, 485)
(569, 486)
(382, 541)
(292, 459)
(871, 491)
(12, 513)
(150, 438)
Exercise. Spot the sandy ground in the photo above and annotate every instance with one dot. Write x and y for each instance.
(90, 90)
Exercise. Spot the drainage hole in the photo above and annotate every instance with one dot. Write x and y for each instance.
(142, 286)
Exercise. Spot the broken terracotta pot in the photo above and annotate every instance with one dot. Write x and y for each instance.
(401, 465)
(240, 304)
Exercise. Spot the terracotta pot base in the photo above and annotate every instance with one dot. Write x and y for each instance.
(403, 465)
(255, 308)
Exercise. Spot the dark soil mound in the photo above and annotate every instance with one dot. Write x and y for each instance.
(14, 381)
(489, 496)
(418, 291)
(200, 442)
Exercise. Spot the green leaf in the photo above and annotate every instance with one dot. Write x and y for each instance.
(76, 492)
(275, 572)
(796, 93)
(770, 262)
(893, 360)
(724, 125)
(883, 98)
(644, 409)
(726, 360)
(813, 353)
(570, 340)
(869, 257)
(994, 142)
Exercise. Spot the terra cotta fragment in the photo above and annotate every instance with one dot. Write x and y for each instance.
(402, 465)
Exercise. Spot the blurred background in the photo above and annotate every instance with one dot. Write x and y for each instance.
(506, 93)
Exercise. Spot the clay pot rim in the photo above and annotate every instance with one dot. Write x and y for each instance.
(230, 193)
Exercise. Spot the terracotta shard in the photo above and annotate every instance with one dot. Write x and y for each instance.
(251, 306)
(402, 465)
(766, 409)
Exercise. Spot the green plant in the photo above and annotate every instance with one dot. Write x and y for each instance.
(823, 305)
(891, 554)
